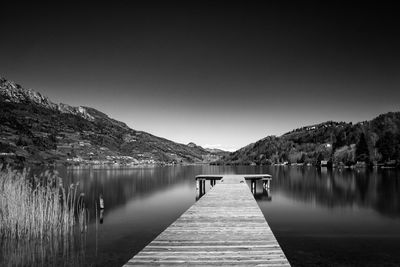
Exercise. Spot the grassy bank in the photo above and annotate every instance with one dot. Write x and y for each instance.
(35, 208)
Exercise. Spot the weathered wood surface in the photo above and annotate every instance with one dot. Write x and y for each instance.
(224, 228)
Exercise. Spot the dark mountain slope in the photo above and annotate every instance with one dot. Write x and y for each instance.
(34, 129)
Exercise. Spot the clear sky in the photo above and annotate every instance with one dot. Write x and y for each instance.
(221, 75)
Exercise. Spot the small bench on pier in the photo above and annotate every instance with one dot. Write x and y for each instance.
(223, 228)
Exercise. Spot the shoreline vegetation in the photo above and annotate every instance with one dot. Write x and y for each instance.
(326, 164)
(42, 221)
(323, 163)
(36, 208)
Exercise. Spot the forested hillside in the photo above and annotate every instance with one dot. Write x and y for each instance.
(375, 141)
(33, 129)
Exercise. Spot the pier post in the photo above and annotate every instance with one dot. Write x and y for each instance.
(266, 183)
(202, 187)
(253, 187)
(197, 189)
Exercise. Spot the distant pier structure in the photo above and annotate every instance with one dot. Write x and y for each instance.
(225, 227)
(201, 181)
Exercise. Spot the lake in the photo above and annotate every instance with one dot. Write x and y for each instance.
(319, 217)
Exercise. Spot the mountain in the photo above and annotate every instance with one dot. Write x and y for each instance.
(36, 130)
(375, 141)
(12, 92)
(217, 151)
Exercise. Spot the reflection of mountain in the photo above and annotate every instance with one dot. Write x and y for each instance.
(379, 190)
(118, 186)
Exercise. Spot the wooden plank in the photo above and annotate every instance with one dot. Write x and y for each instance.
(223, 228)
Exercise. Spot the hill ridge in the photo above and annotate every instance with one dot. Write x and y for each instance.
(35, 129)
(374, 142)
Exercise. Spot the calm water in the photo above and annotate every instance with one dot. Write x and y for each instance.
(320, 218)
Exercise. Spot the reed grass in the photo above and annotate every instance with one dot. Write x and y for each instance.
(35, 208)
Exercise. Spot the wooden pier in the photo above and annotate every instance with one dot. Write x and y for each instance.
(225, 227)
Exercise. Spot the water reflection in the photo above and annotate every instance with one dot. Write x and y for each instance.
(264, 195)
(43, 253)
(377, 189)
(335, 217)
(117, 185)
(128, 207)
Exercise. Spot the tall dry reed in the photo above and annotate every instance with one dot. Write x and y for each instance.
(35, 208)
